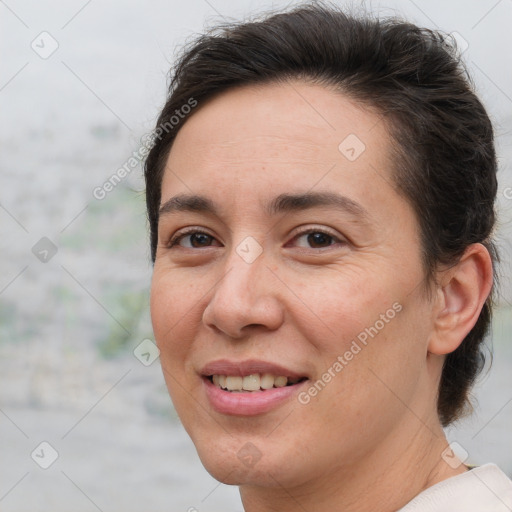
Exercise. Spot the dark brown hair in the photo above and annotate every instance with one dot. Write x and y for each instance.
(445, 162)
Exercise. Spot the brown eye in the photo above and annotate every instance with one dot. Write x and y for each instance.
(315, 239)
(192, 240)
(319, 239)
(200, 239)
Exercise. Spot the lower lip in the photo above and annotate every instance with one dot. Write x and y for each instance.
(250, 403)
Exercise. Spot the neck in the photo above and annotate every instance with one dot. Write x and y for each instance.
(386, 479)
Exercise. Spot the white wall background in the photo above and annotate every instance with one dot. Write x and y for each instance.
(68, 326)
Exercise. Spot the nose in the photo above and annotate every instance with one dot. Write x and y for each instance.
(245, 299)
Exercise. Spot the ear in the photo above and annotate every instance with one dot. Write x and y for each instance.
(461, 294)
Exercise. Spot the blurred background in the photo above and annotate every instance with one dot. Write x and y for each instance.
(80, 83)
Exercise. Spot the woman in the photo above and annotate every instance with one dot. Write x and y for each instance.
(320, 196)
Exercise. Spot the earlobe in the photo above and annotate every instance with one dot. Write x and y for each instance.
(463, 290)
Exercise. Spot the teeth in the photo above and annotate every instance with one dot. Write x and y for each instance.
(280, 382)
(234, 383)
(267, 381)
(253, 382)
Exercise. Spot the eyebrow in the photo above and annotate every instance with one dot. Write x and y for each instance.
(283, 203)
(188, 203)
(296, 202)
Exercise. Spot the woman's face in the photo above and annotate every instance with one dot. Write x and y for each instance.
(284, 251)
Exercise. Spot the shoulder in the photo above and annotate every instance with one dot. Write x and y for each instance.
(483, 489)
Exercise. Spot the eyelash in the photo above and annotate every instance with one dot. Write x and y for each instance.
(182, 234)
(335, 239)
(193, 230)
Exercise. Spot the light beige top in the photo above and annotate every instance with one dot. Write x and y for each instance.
(483, 489)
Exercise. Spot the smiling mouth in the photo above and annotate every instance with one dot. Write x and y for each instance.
(253, 383)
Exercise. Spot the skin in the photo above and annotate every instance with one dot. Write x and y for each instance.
(371, 439)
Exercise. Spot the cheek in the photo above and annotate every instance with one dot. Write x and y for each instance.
(340, 306)
(174, 314)
(175, 317)
(384, 362)
(370, 333)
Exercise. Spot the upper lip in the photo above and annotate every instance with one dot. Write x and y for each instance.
(247, 367)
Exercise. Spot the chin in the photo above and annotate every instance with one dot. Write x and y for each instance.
(249, 461)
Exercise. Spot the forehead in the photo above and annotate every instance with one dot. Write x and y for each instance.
(279, 137)
(293, 118)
